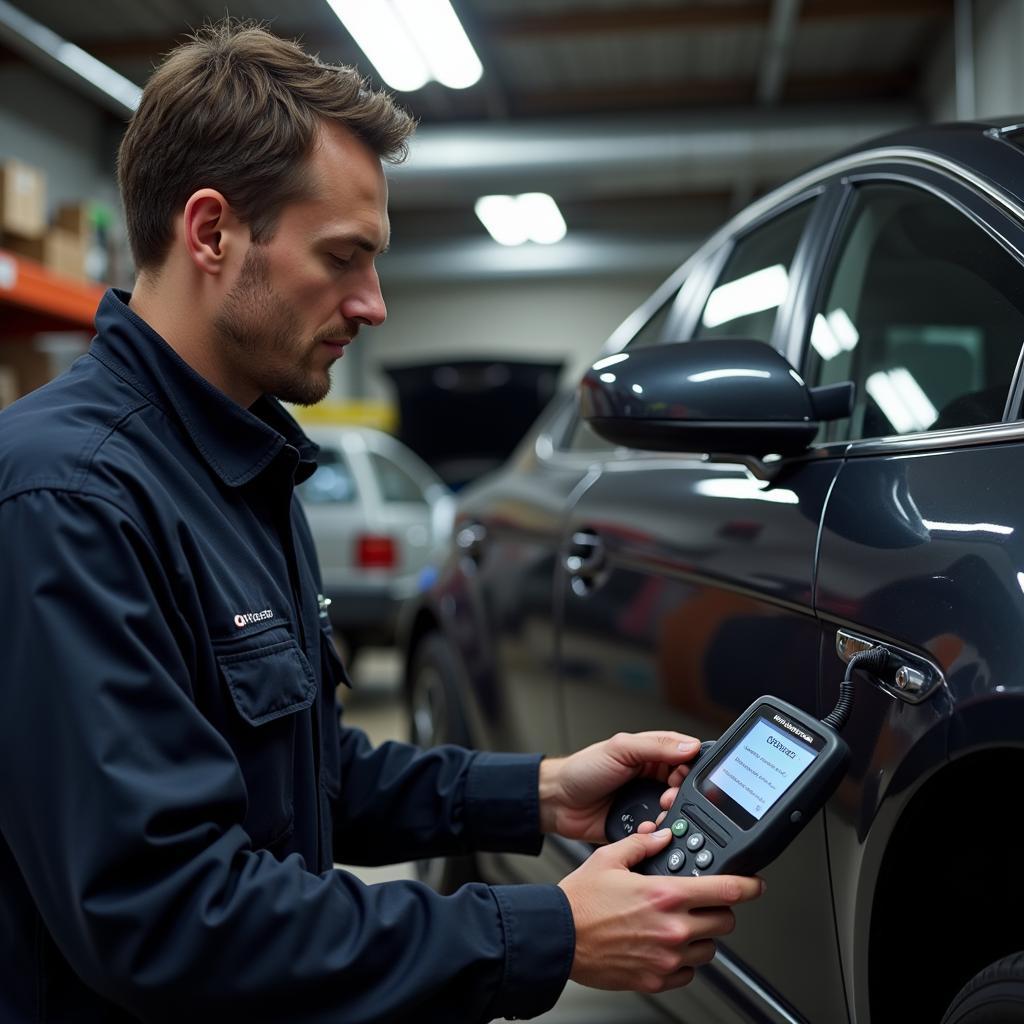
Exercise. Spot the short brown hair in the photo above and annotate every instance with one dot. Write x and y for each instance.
(237, 109)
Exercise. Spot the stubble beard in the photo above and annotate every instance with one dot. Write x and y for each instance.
(255, 328)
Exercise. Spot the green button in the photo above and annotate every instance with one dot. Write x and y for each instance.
(679, 827)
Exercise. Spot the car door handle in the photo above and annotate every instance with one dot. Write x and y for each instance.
(585, 561)
(470, 540)
(906, 675)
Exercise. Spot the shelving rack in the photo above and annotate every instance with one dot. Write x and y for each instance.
(34, 299)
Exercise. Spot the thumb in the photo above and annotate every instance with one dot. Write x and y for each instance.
(630, 851)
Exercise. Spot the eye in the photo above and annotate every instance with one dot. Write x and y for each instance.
(341, 262)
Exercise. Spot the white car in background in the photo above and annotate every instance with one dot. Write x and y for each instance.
(380, 517)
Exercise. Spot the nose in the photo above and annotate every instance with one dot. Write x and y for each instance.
(365, 303)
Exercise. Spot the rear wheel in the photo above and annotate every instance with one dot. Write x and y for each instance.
(435, 718)
(994, 995)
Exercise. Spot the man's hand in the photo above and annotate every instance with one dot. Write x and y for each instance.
(646, 933)
(576, 791)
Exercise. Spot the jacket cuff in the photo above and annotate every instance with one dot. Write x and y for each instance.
(502, 803)
(540, 942)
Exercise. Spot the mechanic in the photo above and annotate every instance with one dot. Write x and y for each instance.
(178, 782)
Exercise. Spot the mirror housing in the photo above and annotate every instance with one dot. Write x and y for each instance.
(720, 397)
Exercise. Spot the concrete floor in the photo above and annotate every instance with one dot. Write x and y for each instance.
(374, 706)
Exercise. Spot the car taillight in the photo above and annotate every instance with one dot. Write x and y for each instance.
(374, 551)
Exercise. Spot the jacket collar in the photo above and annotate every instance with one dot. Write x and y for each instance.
(238, 444)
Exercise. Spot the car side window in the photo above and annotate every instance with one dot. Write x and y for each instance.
(331, 483)
(754, 282)
(923, 311)
(394, 482)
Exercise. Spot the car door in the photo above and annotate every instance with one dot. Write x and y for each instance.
(688, 594)
(921, 550)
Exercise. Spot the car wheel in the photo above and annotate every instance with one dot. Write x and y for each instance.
(435, 718)
(993, 996)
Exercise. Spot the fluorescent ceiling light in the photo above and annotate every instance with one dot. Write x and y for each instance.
(99, 74)
(35, 40)
(380, 34)
(512, 220)
(763, 289)
(411, 42)
(437, 31)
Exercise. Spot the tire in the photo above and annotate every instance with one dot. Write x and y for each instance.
(435, 717)
(994, 995)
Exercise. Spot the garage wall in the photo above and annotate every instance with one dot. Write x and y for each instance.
(48, 125)
(559, 320)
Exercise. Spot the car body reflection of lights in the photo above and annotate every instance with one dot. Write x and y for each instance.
(756, 490)
(699, 378)
(608, 378)
(603, 364)
(934, 527)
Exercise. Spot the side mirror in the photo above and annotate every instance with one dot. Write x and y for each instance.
(720, 397)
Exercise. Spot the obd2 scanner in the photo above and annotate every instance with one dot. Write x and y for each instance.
(749, 793)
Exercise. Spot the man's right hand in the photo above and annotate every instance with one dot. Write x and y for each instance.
(647, 933)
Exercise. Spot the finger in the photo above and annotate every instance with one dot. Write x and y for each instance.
(645, 828)
(668, 798)
(660, 818)
(676, 980)
(701, 951)
(639, 748)
(677, 776)
(630, 851)
(720, 890)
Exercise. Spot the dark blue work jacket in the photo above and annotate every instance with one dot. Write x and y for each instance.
(176, 784)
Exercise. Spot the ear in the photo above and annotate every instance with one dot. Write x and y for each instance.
(211, 230)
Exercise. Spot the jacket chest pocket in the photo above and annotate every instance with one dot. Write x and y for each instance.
(270, 684)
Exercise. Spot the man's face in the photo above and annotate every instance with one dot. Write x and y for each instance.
(300, 297)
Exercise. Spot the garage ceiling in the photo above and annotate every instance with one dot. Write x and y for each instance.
(649, 121)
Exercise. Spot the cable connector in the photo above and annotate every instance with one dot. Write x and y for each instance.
(873, 658)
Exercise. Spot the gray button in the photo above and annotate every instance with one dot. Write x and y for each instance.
(695, 842)
(704, 859)
(796, 817)
(676, 859)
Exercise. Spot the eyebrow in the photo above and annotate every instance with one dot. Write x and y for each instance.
(360, 242)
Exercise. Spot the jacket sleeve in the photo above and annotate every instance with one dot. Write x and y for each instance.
(123, 807)
(433, 802)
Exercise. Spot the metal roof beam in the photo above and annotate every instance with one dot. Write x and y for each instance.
(785, 15)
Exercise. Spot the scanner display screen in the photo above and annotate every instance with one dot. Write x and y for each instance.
(758, 767)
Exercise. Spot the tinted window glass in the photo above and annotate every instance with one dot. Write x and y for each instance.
(924, 311)
(755, 280)
(331, 483)
(394, 482)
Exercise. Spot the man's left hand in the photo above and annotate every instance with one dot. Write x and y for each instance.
(576, 791)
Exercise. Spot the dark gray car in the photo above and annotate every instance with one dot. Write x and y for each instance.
(608, 580)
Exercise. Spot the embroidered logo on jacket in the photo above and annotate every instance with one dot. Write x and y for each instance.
(247, 618)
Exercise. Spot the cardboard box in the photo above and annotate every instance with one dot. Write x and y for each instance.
(59, 250)
(22, 200)
(76, 218)
(32, 248)
(64, 252)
